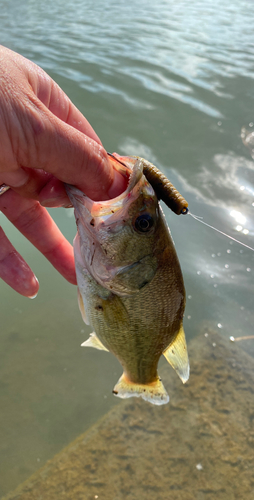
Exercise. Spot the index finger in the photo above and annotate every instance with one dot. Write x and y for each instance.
(79, 158)
(35, 223)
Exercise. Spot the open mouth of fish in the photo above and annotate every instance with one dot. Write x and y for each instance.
(110, 218)
(133, 172)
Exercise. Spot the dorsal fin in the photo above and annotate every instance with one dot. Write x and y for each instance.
(177, 356)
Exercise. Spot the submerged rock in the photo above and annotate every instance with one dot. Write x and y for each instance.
(199, 447)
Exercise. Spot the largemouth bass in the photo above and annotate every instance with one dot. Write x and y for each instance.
(130, 285)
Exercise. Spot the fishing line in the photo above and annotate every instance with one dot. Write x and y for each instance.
(199, 219)
(238, 339)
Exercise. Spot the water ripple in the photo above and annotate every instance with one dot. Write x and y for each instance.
(171, 49)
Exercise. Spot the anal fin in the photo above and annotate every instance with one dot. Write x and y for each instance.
(93, 341)
(177, 356)
(154, 392)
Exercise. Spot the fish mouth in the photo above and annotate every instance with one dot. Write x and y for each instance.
(103, 226)
(131, 168)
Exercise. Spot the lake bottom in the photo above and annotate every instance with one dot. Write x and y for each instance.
(198, 447)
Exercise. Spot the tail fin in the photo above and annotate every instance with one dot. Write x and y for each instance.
(155, 392)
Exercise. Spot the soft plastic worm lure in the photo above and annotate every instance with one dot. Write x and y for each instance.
(163, 188)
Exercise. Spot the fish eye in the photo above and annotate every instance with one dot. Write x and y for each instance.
(144, 223)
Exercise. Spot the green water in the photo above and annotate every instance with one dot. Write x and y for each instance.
(169, 81)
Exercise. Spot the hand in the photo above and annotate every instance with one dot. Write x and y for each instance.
(45, 141)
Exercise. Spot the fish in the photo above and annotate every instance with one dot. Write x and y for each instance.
(130, 285)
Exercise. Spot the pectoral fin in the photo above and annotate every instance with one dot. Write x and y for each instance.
(82, 308)
(177, 356)
(130, 279)
(93, 341)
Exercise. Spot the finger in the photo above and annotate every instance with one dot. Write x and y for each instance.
(42, 186)
(34, 181)
(42, 129)
(73, 158)
(27, 75)
(54, 98)
(35, 223)
(54, 194)
(79, 161)
(68, 147)
(50, 192)
(65, 152)
(15, 271)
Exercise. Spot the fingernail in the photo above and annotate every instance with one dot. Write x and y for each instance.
(36, 282)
